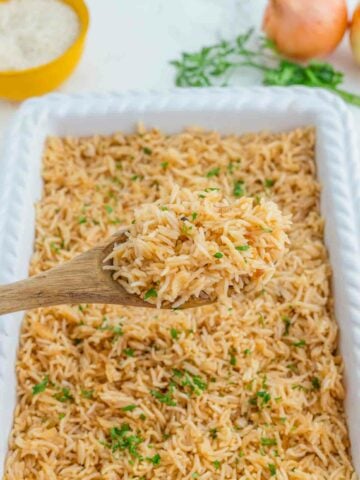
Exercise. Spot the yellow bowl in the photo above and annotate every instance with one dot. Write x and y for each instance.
(21, 84)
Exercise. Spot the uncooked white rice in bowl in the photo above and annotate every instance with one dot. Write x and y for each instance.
(252, 391)
(198, 245)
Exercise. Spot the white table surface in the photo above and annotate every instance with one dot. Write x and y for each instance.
(130, 44)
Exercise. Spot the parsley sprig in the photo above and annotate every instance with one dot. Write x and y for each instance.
(215, 65)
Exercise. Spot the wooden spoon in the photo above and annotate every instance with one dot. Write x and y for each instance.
(81, 280)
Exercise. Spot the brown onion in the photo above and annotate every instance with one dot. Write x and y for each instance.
(305, 28)
(355, 34)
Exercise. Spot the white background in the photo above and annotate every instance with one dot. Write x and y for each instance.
(130, 44)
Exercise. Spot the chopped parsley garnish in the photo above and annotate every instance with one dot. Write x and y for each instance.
(201, 195)
(152, 293)
(242, 248)
(239, 188)
(54, 247)
(185, 229)
(165, 398)
(193, 384)
(174, 333)
(64, 395)
(261, 398)
(233, 359)
(147, 151)
(164, 209)
(300, 343)
(218, 255)
(142, 416)
(272, 469)
(122, 438)
(87, 393)
(214, 172)
(164, 165)
(268, 442)
(155, 460)
(194, 215)
(108, 208)
(287, 323)
(128, 408)
(217, 464)
(129, 352)
(247, 351)
(212, 189)
(213, 433)
(315, 382)
(41, 386)
(268, 182)
(266, 229)
(61, 416)
(135, 177)
(230, 168)
(82, 220)
(195, 475)
(116, 330)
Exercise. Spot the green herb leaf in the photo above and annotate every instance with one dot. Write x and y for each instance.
(268, 182)
(108, 208)
(87, 393)
(164, 165)
(129, 352)
(165, 398)
(129, 408)
(82, 220)
(174, 333)
(300, 343)
(268, 442)
(194, 215)
(192, 384)
(147, 151)
(239, 188)
(315, 382)
(215, 65)
(64, 395)
(287, 322)
(214, 172)
(213, 433)
(272, 469)
(122, 438)
(54, 247)
(41, 386)
(218, 255)
(155, 460)
(242, 248)
(152, 293)
(261, 398)
(217, 464)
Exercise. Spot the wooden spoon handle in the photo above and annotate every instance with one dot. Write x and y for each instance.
(55, 287)
(82, 280)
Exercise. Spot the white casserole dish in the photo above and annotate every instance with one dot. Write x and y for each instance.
(225, 110)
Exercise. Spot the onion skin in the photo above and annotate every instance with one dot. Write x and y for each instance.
(355, 34)
(305, 29)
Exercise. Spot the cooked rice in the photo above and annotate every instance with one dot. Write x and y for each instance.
(199, 244)
(264, 395)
